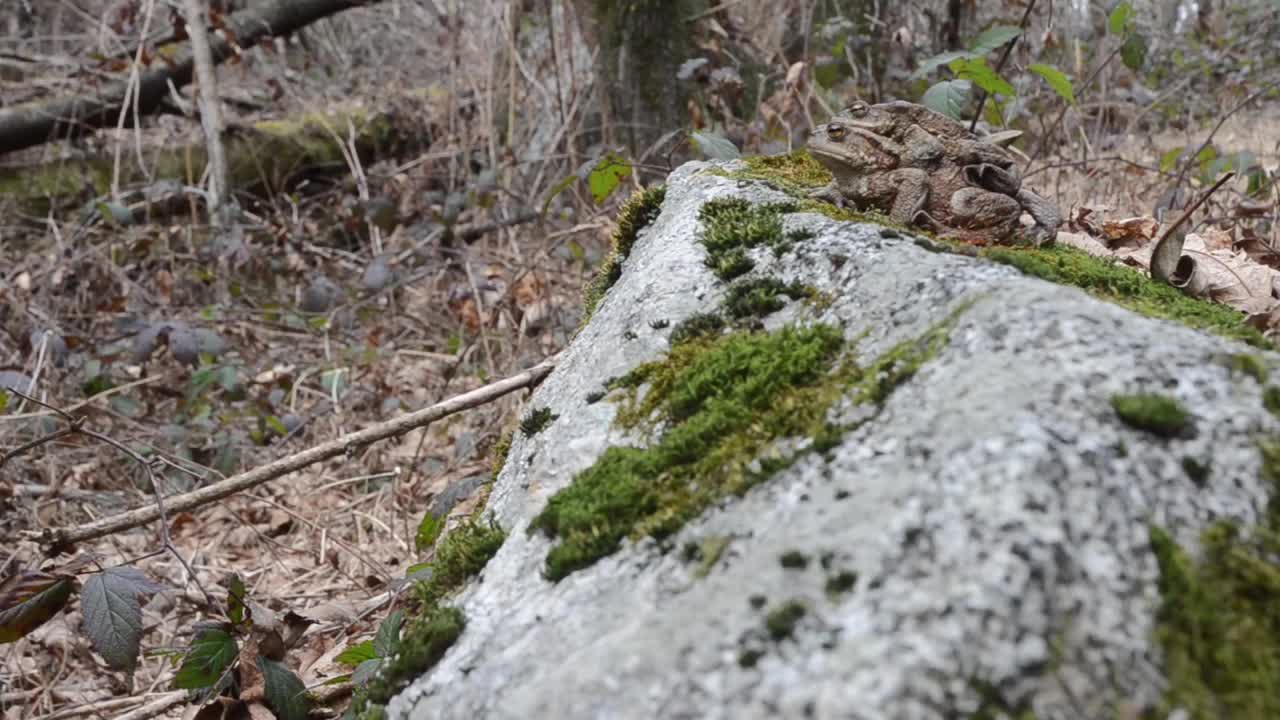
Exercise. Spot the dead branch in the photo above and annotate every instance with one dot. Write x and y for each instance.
(32, 124)
(57, 538)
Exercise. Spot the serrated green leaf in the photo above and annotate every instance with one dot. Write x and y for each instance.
(235, 599)
(387, 642)
(607, 175)
(286, 695)
(1134, 51)
(353, 655)
(210, 655)
(994, 37)
(113, 615)
(938, 61)
(979, 73)
(1169, 160)
(947, 97)
(715, 147)
(28, 600)
(1057, 80)
(1120, 17)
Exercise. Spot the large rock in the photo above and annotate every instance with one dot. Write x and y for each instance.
(979, 537)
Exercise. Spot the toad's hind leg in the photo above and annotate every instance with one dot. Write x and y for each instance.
(911, 186)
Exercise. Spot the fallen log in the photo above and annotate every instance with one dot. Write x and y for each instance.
(35, 123)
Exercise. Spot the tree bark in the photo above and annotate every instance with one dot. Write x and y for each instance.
(642, 45)
(33, 124)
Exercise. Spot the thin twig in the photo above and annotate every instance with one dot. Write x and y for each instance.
(1008, 50)
(58, 537)
(1044, 139)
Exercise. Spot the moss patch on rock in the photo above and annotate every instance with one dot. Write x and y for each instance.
(717, 406)
(1155, 413)
(461, 556)
(1219, 622)
(1111, 281)
(637, 213)
(732, 226)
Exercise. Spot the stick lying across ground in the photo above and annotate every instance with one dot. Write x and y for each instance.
(61, 537)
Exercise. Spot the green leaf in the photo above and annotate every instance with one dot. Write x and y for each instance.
(715, 147)
(1134, 51)
(979, 73)
(28, 600)
(1169, 160)
(276, 425)
(235, 598)
(938, 61)
(1120, 18)
(428, 530)
(210, 655)
(607, 175)
(113, 613)
(947, 97)
(364, 672)
(387, 642)
(353, 655)
(994, 37)
(286, 695)
(1057, 80)
(827, 74)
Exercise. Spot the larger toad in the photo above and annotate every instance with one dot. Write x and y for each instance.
(927, 170)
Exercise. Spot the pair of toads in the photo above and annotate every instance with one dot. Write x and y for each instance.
(927, 170)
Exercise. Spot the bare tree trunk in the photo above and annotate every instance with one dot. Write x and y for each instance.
(210, 111)
(33, 124)
(642, 45)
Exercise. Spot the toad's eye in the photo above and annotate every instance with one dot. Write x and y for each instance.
(857, 109)
(835, 132)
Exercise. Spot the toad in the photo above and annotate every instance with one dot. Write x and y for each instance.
(963, 186)
(868, 173)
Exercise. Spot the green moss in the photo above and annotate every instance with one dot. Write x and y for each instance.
(841, 582)
(781, 622)
(636, 214)
(500, 452)
(1196, 470)
(733, 225)
(461, 556)
(708, 553)
(796, 173)
(700, 325)
(721, 401)
(1219, 623)
(1129, 288)
(794, 560)
(993, 705)
(1252, 365)
(1271, 399)
(424, 642)
(762, 296)
(720, 404)
(1158, 414)
(537, 421)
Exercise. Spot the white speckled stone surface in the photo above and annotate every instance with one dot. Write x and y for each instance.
(996, 511)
